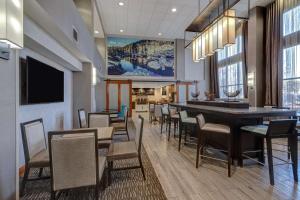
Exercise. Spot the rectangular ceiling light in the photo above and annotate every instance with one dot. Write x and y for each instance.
(228, 36)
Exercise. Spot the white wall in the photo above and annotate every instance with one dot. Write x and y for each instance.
(56, 116)
(8, 128)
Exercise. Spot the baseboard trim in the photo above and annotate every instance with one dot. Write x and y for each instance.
(21, 171)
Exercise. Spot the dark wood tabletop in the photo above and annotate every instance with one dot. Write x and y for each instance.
(251, 112)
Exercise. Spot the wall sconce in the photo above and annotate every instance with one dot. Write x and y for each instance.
(11, 24)
(251, 79)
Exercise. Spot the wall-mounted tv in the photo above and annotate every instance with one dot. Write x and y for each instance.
(40, 83)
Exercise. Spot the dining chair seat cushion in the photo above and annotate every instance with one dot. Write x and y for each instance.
(114, 115)
(41, 159)
(120, 125)
(259, 129)
(175, 116)
(217, 128)
(190, 120)
(122, 150)
(117, 120)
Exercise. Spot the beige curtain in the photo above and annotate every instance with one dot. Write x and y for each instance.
(213, 73)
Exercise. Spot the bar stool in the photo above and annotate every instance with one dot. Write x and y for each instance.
(165, 114)
(173, 116)
(185, 122)
(284, 128)
(206, 129)
(151, 111)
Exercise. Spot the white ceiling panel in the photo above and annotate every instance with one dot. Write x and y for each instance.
(147, 18)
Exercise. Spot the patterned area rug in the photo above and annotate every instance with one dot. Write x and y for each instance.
(126, 184)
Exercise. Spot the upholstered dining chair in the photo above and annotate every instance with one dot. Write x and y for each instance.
(121, 128)
(74, 160)
(185, 123)
(35, 150)
(165, 114)
(205, 131)
(98, 120)
(119, 117)
(282, 128)
(151, 112)
(82, 118)
(127, 150)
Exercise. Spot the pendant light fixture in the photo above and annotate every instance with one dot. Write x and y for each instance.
(11, 23)
(229, 28)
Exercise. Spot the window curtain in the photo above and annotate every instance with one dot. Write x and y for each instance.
(275, 42)
(244, 57)
(213, 72)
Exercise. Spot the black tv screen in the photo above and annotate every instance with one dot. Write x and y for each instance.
(41, 82)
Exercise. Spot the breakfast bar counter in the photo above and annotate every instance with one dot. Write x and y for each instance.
(235, 118)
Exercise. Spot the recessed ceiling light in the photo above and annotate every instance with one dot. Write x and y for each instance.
(121, 30)
(159, 34)
(121, 3)
(96, 32)
(174, 9)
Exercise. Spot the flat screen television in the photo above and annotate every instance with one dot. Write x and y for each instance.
(40, 83)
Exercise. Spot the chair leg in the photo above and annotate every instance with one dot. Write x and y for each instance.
(52, 197)
(110, 166)
(229, 156)
(41, 172)
(25, 178)
(127, 134)
(96, 192)
(294, 156)
(161, 124)
(180, 134)
(198, 151)
(142, 167)
(289, 148)
(169, 132)
(270, 160)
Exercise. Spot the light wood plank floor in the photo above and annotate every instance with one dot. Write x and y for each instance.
(181, 180)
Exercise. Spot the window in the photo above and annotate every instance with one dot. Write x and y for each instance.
(291, 21)
(230, 69)
(291, 60)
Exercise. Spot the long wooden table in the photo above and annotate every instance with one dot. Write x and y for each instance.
(235, 118)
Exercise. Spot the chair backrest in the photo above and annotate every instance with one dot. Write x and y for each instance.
(98, 120)
(139, 133)
(200, 121)
(281, 128)
(33, 137)
(151, 106)
(73, 158)
(82, 118)
(183, 115)
(157, 110)
(165, 110)
(172, 110)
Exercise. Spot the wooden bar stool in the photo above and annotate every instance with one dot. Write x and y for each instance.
(207, 129)
(284, 128)
(173, 116)
(185, 122)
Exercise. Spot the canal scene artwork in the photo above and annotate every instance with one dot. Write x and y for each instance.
(136, 57)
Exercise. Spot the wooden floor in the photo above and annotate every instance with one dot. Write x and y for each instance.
(181, 180)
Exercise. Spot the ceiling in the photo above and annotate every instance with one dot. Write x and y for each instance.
(148, 18)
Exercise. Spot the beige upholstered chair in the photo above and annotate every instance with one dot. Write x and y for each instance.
(96, 120)
(151, 111)
(127, 150)
(35, 149)
(74, 160)
(208, 129)
(82, 118)
(121, 128)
